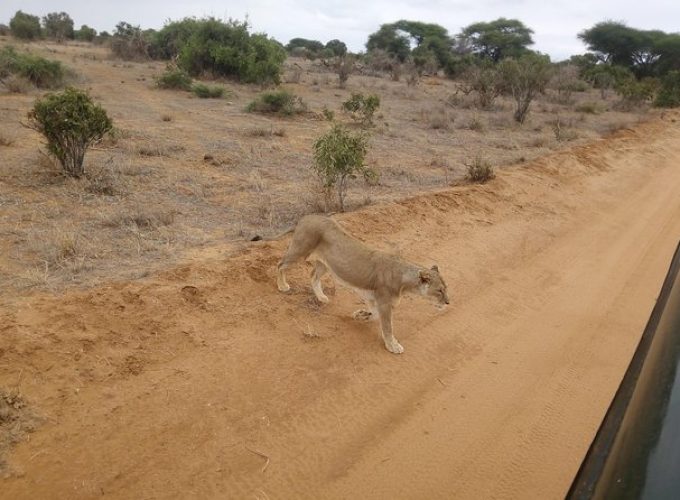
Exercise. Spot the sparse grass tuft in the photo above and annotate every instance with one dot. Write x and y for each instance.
(439, 119)
(592, 108)
(479, 170)
(265, 132)
(18, 84)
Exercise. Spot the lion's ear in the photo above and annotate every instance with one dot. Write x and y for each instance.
(435, 268)
(425, 277)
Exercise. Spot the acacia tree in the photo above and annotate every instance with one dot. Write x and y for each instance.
(497, 39)
(616, 43)
(429, 41)
(58, 25)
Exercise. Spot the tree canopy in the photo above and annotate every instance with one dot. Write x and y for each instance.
(497, 39)
(645, 52)
(404, 39)
(25, 26)
(58, 25)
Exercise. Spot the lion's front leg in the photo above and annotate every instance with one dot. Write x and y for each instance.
(366, 314)
(391, 343)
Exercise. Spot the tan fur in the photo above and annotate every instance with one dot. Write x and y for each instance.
(378, 277)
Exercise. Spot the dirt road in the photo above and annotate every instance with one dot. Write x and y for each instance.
(204, 382)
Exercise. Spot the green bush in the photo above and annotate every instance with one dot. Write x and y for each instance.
(669, 93)
(362, 108)
(338, 157)
(71, 122)
(280, 102)
(174, 78)
(85, 33)
(227, 49)
(206, 91)
(635, 93)
(25, 26)
(523, 79)
(41, 72)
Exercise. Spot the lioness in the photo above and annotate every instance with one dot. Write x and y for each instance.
(377, 277)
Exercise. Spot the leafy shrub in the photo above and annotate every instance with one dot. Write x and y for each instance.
(634, 92)
(227, 49)
(4, 30)
(669, 93)
(484, 81)
(25, 26)
(129, 42)
(85, 33)
(606, 77)
(280, 102)
(71, 122)
(207, 92)
(479, 170)
(523, 79)
(174, 78)
(338, 157)
(362, 108)
(41, 72)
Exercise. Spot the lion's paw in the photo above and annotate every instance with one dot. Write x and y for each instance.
(362, 315)
(394, 347)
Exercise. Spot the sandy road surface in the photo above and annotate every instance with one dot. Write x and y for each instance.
(204, 382)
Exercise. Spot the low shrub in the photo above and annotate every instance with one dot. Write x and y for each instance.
(174, 78)
(362, 108)
(279, 102)
(591, 108)
(338, 157)
(669, 91)
(206, 91)
(71, 122)
(41, 72)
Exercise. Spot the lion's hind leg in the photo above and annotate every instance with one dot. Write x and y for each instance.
(319, 270)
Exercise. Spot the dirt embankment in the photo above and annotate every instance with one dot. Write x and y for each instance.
(204, 381)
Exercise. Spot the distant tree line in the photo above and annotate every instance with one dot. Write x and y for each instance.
(56, 26)
(631, 61)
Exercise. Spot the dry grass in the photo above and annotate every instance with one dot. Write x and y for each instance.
(18, 84)
(154, 191)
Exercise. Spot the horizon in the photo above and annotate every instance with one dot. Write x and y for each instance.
(338, 20)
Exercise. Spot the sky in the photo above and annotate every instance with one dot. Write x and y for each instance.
(555, 23)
